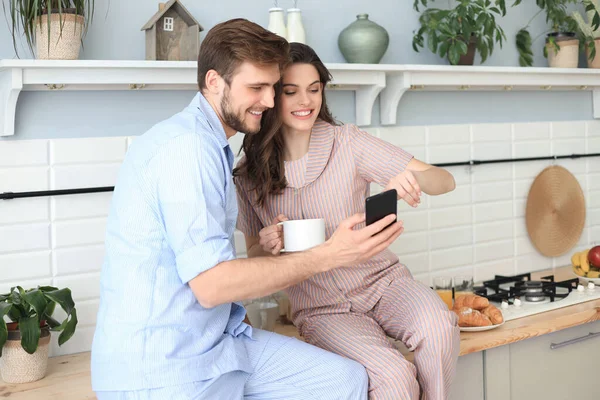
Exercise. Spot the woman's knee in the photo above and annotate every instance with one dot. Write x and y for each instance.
(394, 381)
(446, 332)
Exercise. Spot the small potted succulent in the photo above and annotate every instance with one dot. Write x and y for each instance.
(459, 32)
(25, 339)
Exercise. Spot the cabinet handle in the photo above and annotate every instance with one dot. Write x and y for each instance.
(554, 346)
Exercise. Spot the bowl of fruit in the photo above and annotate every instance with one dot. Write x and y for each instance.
(586, 264)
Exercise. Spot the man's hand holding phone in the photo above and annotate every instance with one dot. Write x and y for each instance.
(351, 246)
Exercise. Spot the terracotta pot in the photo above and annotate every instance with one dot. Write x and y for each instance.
(568, 56)
(469, 58)
(18, 366)
(63, 45)
(595, 63)
(13, 326)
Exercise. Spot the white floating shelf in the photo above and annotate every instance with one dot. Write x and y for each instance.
(368, 81)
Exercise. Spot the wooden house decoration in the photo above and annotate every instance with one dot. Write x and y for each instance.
(172, 34)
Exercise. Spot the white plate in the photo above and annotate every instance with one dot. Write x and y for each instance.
(586, 279)
(479, 328)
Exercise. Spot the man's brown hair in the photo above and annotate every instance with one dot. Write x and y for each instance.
(230, 43)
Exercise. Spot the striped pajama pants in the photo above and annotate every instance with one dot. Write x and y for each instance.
(408, 311)
(284, 368)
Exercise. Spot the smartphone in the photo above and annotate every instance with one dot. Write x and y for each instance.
(381, 205)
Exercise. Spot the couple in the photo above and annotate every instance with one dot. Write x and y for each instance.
(170, 323)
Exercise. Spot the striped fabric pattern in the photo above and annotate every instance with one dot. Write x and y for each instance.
(284, 368)
(352, 310)
(331, 182)
(410, 312)
(172, 217)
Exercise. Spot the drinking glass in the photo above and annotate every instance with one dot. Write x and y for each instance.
(443, 286)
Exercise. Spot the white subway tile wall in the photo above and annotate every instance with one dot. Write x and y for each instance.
(478, 229)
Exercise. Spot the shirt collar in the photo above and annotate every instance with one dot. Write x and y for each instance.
(319, 152)
(201, 104)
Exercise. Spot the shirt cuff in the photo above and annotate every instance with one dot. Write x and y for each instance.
(203, 257)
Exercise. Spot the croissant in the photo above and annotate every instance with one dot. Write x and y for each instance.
(494, 314)
(471, 300)
(467, 317)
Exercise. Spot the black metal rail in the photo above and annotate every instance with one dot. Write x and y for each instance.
(507, 160)
(41, 193)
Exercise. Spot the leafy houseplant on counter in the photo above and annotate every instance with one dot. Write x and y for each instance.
(459, 32)
(24, 341)
(563, 40)
(54, 27)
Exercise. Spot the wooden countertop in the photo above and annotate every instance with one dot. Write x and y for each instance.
(69, 376)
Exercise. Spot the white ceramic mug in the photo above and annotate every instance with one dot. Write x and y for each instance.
(263, 315)
(302, 234)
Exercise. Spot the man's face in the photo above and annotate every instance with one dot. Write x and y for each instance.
(250, 93)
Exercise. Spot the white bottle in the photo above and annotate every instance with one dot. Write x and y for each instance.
(276, 22)
(294, 26)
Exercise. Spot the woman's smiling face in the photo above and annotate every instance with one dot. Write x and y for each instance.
(302, 97)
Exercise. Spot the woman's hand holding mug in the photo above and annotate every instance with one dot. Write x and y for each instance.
(271, 237)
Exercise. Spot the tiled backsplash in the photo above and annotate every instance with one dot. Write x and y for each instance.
(479, 228)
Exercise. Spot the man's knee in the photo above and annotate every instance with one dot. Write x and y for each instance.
(350, 379)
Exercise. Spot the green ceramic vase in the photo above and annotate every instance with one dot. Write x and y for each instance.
(363, 41)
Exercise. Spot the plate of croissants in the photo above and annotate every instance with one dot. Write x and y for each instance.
(475, 313)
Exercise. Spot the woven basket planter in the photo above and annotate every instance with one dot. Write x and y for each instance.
(18, 366)
(63, 45)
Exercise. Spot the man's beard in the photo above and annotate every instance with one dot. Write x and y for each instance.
(231, 119)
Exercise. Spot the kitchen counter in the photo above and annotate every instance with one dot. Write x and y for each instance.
(74, 368)
(517, 329)
(534, 325)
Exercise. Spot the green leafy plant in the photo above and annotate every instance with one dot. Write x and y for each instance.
(25, 15)
(449, 31)
(560, 21)
(590, 29)
(33, 308)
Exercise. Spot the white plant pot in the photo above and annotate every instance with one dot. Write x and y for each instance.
(62, 46)
(18, 366)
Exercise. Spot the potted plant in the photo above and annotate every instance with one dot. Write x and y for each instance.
(590, 32)
(24, 341)
(562, 40)
(459, 32)
(54, 27)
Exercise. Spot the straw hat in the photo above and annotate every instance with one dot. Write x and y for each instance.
(555, 213)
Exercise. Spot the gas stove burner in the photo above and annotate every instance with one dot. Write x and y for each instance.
(507, 288)
(533, 290)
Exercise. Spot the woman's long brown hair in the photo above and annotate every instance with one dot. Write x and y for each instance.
(263, 167)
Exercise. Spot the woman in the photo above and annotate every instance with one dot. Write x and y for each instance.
(302, 165)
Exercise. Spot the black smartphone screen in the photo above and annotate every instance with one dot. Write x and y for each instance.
(381, 205)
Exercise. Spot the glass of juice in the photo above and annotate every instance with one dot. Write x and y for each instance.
(443, 286)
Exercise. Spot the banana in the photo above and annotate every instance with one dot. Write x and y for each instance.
(578, 271)
(583, 259)
(593, 274)
(575, 260)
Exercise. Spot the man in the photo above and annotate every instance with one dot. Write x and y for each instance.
(170, 322)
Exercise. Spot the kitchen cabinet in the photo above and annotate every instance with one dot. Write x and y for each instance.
(556, 366)
(468, 383)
